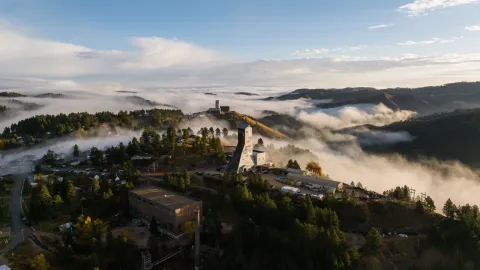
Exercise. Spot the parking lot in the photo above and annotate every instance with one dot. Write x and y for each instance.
(272, 180)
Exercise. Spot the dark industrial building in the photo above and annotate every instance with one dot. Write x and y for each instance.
(170, 209)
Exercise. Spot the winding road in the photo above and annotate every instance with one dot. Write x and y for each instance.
(18, 228)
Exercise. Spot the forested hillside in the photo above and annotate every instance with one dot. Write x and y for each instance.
(48, 126)
(424, 100)
(446, 136)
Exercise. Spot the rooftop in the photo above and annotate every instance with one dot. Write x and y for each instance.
(167, 198)
(243, 126)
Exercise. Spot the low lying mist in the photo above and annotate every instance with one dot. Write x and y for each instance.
(440, 180)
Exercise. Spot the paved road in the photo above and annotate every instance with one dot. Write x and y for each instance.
(18, 228)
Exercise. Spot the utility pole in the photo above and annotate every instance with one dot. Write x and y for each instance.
(412, 191)
(197, 239)
(423, 196)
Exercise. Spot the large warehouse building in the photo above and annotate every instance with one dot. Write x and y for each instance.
(171, 210)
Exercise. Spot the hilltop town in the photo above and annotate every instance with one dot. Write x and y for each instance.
(182, 198)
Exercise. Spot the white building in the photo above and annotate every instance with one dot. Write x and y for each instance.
(244, 157)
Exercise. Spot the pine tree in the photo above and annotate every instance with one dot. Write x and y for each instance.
(289, 163)
(76, 151)
(70, 193)
(181, 183)
(449, 209)
(295, 165)
(373, 241)
(186, 176)
(225, 132)
(44, 196)
(430, 204)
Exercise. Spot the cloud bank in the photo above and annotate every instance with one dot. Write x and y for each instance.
(422, 7)
(429, 41)
(158, 61)
(473, 28)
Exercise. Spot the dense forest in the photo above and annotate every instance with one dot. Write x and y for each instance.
(41, 126)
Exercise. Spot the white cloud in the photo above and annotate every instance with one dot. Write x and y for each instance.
(310, 52)
(20, 54)
(163, 62)
(307, 52)
(155, 53)
(473, 28)
(429, 41)
(421, 7)
(380, 26)
(359, 47)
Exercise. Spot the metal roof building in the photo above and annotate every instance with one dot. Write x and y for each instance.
(170, 209)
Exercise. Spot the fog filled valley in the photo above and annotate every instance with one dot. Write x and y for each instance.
(338, 136)
(381, 186)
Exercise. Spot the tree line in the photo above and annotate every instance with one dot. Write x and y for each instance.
(39, 126)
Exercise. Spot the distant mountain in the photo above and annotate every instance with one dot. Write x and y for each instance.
(424, 100)
(445, 136)
(11, 94)
(22, 105)
(145, 102)
(50, 95)
(245, 94)
(129, 92)
(210, 94)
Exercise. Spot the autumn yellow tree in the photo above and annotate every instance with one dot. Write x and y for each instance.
(39, 262)
(314, 168)
(189, 228)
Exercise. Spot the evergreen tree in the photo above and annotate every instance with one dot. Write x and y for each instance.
(430, 204)
(218, 132)
(76, 151)
(186, 133)
(295, 165)
(70, 192)
(449, 209)
(289, 163)
(225, 132)
(373, 241)
(181, 183)
(44, 196)
(186, 176)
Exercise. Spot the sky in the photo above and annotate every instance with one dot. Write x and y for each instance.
(302, 43)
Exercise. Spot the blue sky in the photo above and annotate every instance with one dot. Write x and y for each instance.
(251, 30)
(254, 29)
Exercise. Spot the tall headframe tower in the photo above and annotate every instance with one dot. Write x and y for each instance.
(242, 157)
(217, 104)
